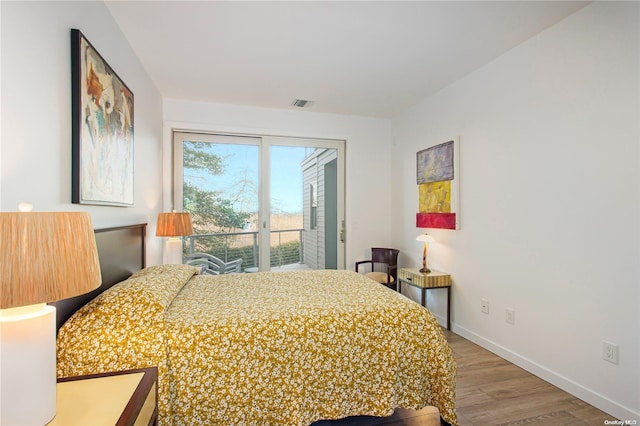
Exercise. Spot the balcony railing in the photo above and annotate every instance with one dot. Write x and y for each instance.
(286, 247)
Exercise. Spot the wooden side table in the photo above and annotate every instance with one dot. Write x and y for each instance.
(428, 281)
(119, 398)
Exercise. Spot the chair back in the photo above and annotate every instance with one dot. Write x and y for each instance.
(385, 255)
(387, 258)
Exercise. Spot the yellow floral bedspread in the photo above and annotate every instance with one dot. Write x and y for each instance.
(267, 348)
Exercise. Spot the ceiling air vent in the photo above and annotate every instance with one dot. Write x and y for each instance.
(301, 103)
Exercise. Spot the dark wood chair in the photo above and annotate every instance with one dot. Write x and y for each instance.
(383, 266)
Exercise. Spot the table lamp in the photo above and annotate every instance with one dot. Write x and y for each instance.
(174, 225)
(44, 257)
(425, 238)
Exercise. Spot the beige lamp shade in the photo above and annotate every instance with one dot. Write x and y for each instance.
(174, 224)
(46, 256)
(426, 238)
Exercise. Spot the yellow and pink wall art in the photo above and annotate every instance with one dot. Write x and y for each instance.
(438, 186)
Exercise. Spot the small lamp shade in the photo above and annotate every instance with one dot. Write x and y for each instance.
(426, 238)
(46, 256)
(174, 225)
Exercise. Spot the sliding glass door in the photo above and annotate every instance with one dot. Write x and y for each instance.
(276, 203)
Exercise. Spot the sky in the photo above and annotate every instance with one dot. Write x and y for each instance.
(240, 180)
(286, 178)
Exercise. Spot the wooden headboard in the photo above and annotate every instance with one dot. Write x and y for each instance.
(122, 252)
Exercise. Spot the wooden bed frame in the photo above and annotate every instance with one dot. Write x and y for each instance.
(122, 252)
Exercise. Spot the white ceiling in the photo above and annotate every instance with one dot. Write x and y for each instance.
(350, 57)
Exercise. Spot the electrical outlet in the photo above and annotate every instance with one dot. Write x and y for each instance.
(610, 352)
(510, 316)
(484, 303)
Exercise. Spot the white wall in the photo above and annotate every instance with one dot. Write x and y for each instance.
(36, 112)
(550, 197)
(368, 170)
(550, 185)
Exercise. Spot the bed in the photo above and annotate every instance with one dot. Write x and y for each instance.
(285, 348)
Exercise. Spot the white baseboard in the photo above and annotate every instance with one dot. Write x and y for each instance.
(601, 402)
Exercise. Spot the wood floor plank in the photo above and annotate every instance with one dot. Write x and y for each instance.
(470, 396)
(554, 418)
(517, 387)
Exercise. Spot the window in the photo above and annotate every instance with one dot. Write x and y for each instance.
(273, 202)
(313, 207)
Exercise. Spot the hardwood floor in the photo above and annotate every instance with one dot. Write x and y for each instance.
(492, 391)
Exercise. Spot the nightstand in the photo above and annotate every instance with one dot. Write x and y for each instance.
(428, 281)
(119, 398)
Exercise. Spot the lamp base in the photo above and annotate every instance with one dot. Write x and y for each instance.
(173, 251)
(425, 270)
(28, 366)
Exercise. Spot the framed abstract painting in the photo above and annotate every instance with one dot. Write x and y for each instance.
(102, 129)
(438, 178)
